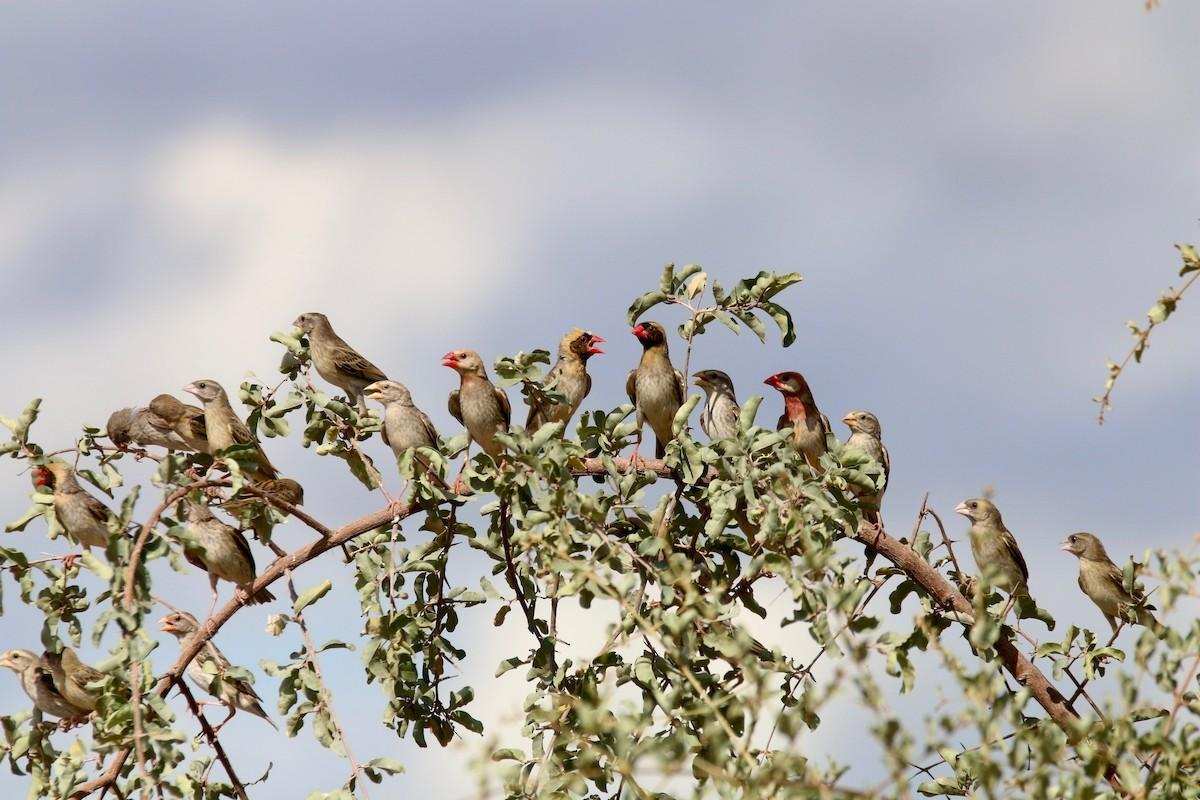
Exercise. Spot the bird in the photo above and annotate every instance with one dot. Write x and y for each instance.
(83, 517)
(222, 551)
(866, 436)
(247, 504)
(234, 693)
(144, 428)
(186, 421)
(568, 377)
(1104, 584)
(405, 426)
(481, 407)
(995, 549)
(224, 428)
(800, 413)
(719, 419)
(38, 682)
(337, 362)
(71, 678)
(655, 387)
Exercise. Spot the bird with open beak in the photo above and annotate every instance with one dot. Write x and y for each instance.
(995, 549)
(222, 551)
(83, 517)
(655, 387)
(37, 679)
(800, 414)
(480, 406)
(1104, 584)
(234, 693)
(568, 377)
(405, 427)
(719, 419)
(866, 436)
(224, 428)
(186, 421)
(336, 361)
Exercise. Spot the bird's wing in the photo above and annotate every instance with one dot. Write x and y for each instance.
(243, 435)
(193, 418)
(631, 386)
(680, 387)
(427, 424)
(349, 361)
(587, 385)
(505, 406)
(94, 507)
(211, 653)
(784, 423)
(45, 678)
(243, 546)
(826, 427)
(81, 672)
(887, 463)
(1010, 544)
(455, 407)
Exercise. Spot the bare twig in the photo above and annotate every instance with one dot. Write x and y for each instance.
(213, 741)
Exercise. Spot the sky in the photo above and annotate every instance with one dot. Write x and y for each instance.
(977, 194)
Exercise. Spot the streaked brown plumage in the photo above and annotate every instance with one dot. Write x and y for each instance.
(1104, 584)
(481, 407)
(187, 421)
(655, 387)
(71, 677)
(224, 428)
(84, 518)
(719, 419)
(248, 503)
(568, 377)
(144, 428)
(800, 413)
(234, 693)
(37, 680)
(222, 551)
(335, 360)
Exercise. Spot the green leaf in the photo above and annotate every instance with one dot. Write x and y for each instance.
(312, 595)
(643, 304)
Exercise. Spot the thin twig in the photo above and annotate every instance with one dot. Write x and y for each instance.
(213, 741)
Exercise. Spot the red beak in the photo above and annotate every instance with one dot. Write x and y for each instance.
(450, 360)
(639, 331)
(593, 350)
(773, 381)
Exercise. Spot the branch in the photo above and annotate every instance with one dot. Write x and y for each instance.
(213, 741)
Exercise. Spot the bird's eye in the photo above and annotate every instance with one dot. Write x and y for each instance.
(972, 505)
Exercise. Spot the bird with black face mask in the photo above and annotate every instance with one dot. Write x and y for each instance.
(995, 550)
(1104, 584)
(721, 413)
(800, 415)
(655, 387)
(336, 361)
(568, 377)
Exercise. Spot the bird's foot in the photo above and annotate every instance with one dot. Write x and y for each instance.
(68, 561)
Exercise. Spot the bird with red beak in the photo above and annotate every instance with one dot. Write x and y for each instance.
(655, 387)
(569, 377)
(800, 413)
(481, 407)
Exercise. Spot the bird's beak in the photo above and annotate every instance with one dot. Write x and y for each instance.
(192, 389)
(698, 381)
(164, 626)
(772, 381)
(593, 350)
(847, 419)
(1066, 547)
(639, 331)
(372, 390)
(450, 360)
(296, 322)
(961, 508)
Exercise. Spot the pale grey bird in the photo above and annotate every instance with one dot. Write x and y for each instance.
(719, 418)
(866, 436)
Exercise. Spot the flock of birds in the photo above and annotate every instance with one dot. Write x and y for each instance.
(61, 685)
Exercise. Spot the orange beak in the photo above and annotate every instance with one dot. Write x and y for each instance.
(450, 360)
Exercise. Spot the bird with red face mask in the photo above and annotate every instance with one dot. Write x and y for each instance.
(655, 387)
(482, 408)
(800, 413)
(569, 377)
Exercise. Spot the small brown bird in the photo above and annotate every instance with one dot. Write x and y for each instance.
(337, 362)
(247, 503)
(235, 693)
(1104, 584)
(405, 426)
(224, 428)
(38, 682)
(83, 517)
(144, 428)
(568, 377)
(481, 407)
(655, 388)
(71, 677)
(186, 421)
(800, 413)
(866, 436)
(719, 419)
(995, 549)
(222, 551)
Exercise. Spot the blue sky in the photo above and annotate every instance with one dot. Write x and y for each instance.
(978, 195)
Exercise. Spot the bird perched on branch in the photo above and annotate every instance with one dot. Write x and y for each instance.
(719, 419)
(224, 428)
(71, 677)
(83, 517)
(1104, 584)
(37, 680)
(280, 489)
(405, 427)
(866, 436)
(234, 693)
(144, 428)
(568, 377)
(336, 361)
(995, 549)
(800, 413)
(186, 421)
(655, 387)
(222, 551)
(481, 407)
